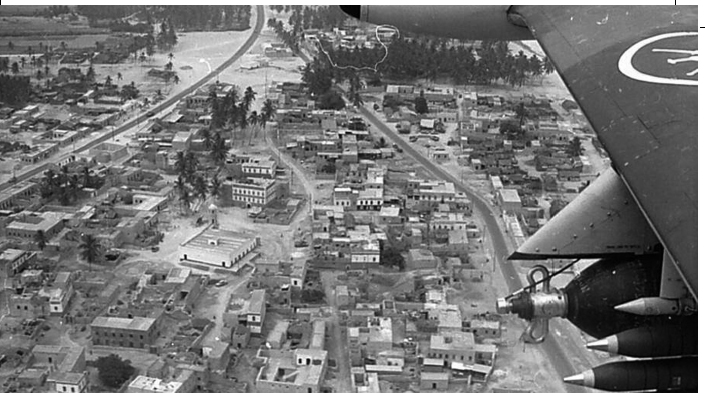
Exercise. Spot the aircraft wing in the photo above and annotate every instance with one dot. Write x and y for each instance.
(633, 71)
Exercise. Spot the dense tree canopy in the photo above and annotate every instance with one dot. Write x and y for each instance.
(14, 90)
(114, 371)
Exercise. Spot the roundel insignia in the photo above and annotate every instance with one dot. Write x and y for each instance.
(670, 59)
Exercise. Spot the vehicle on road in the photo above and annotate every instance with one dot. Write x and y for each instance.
(221, 283)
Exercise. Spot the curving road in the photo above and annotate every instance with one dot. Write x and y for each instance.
(165, 104)
(563, 365)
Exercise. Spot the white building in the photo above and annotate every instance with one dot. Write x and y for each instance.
(253, 191)
(68, 382)
(218, 247)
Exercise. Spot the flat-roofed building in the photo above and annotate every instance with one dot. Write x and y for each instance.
(434, 380)
(419, 190)
(107, 151)
(460, 347)
(14, 261)
(59, 294)
(68, 382)
(184, 382)
(370, 199)
(39, 152)
(252, 191)
(181, 140)
(376, 337)
(27, 225)
(137, 332)
(59, 358)
(509, 200)
(483, 328)
(299, 371)
(449, 221)
(318, 334)
(420, 258)
(255, 311)
(11, 196)
(218, 247)
(458, 242)
(259, 166)
(149, 203)
(390, 215)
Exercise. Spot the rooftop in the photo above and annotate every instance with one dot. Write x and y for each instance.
(420, 253)
(389, 211)
(177, 275)
(219, 240)
(509, 195)
(136, 323)
(156, 385)
(11, 254)
(429, 376)
(256, 301)
(457, 236)
(283, 370)
(453, 341)
(67, 378)
(37, 221)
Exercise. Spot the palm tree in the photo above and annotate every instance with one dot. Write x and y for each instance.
(207, 138)
(180, 163)
(185, 198)
(170, 56)
(253, 119)
(176, 79)
(90, 74)
(575, 147)
(215, 187)
(268, 110)
(200, 187)
(108, 81)
(218, 149)
(169, 66)
(248, 99)
(191, 165)
(90, 249)
(262, 120)
(86, 177)
(40, 239)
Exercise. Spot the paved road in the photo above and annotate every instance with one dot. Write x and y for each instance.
(563, 365)
(167, 103)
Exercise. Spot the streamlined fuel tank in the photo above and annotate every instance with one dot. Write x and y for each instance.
(655, 374)
(652, 342)
(588, 301)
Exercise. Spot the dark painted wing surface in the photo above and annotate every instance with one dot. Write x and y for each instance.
(633, 70)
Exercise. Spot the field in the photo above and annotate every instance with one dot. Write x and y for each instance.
(30, 25)
(20, 10)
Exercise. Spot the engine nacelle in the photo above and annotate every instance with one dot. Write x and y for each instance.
(476, 22)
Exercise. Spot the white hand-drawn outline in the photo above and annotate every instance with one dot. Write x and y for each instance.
(626, 65)
(693, 57)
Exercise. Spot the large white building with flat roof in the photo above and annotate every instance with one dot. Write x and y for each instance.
(252, 191)
(218, 247)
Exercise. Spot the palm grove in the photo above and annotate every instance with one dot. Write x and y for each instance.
(230, 115)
